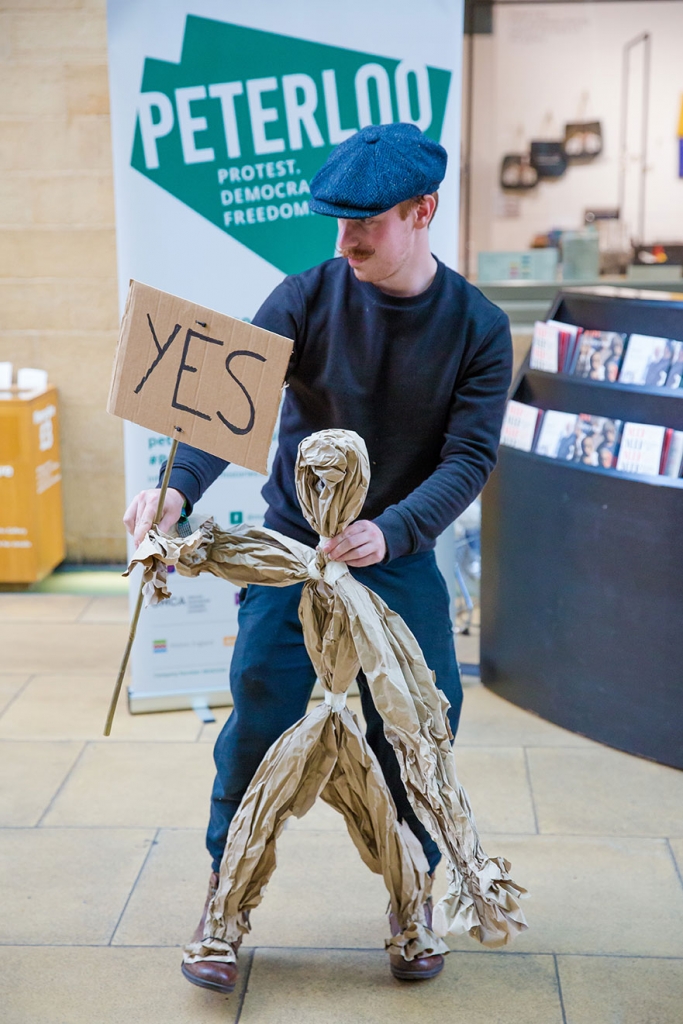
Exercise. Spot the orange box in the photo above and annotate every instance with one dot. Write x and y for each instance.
(31, 517)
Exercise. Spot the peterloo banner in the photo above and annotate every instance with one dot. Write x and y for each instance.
(221, 114)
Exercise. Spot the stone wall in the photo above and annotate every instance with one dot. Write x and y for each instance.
(58, 297)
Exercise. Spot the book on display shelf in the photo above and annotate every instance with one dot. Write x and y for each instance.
(647, 361)
(589, 440)
(676, 372)
(674, 459)
(569, 334)
(557, 437)
(519, 425)
(643, 448)
(553, 345)
(597, 441)
(545, 347)
(599, 355)
(668, 435)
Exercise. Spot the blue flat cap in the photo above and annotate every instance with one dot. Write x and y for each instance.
(375, 169)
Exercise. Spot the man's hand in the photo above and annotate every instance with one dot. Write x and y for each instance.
(139, 515)
(361, 543)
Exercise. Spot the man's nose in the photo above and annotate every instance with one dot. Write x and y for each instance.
(348, 234)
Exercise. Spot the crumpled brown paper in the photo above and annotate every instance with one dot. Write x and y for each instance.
(346, 628)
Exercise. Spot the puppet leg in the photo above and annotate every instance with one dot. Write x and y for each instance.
(414, 588)
(271, 679)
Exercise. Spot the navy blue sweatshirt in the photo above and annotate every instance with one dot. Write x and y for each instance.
(422, 379)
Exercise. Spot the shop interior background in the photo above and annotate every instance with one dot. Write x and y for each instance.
(532, 67)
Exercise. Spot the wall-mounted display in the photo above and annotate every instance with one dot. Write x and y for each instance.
(582, 140)
(517, 173)
(548, 158)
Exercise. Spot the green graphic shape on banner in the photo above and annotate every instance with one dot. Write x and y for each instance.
(237, 129)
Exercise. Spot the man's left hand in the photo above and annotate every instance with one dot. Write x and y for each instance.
(361, 543)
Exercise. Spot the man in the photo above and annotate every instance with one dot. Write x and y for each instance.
(390, 343)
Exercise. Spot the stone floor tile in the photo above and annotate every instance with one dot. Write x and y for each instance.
(467, 649)
(496, 782)
(37, 771)
(621, 990)
(10, 685)
(75, 707)
(347, 987)
(40, 608)
(178, 863)
(676, 844)
(106, 609)
(66, 886)
(321, 894)
(105, 986)
(159, 785)
(605, 792)
(62, 646)
(613, 896)
(489, 720)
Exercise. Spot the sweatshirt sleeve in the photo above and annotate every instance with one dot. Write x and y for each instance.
(194, 470)
(468, 453)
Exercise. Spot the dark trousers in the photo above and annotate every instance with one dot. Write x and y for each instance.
(271, 679)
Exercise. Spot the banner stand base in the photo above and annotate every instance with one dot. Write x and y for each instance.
(140, 703)
(203, 711)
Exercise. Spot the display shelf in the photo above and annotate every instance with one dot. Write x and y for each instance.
(582, 568)
(628, 402)
(579, 467)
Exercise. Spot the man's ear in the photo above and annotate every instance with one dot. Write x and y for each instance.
(424, 211)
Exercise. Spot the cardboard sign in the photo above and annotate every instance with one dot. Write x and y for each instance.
(200, 376)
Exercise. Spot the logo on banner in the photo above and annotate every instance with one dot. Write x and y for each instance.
(237, 129)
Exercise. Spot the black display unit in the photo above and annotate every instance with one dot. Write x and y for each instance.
(582, 568)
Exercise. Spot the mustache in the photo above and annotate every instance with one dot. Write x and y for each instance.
(356, 252)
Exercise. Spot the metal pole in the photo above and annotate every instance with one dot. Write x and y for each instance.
(643, 37)
(138, 603)
(623, 148)
(647, 42)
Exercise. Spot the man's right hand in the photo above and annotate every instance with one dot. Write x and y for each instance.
(139, 515)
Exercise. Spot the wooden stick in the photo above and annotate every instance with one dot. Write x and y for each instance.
(138, 604)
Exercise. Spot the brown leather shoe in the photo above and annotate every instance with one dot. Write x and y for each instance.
(220, 977)
(422, 967)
